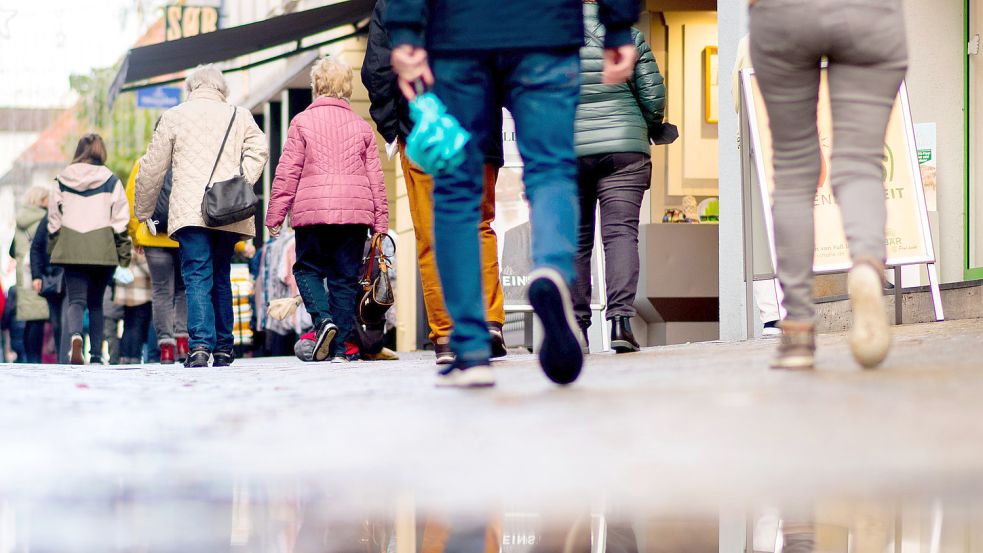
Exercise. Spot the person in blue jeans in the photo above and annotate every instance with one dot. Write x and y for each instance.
(523, 56)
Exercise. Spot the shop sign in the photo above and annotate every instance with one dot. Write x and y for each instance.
(188, 21)
(908, 238)
(158, 97)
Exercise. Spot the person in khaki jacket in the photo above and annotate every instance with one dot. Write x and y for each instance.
(188, 141)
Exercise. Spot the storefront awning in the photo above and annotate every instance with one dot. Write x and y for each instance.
(171, 57)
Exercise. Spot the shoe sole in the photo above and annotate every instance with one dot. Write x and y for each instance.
(623, 346)
(76, 355)
(475, 377)
(870, 334)
(323, 346)
(445, 359)
(559, 354)
(800, 363)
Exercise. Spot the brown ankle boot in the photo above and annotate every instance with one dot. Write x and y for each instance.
(797, 349)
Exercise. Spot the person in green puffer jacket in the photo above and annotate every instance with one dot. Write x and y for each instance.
(31, 308)
(614, 129)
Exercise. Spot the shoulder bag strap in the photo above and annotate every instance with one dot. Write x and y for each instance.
(222, 148)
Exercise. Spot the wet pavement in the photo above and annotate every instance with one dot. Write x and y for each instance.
(146, 455)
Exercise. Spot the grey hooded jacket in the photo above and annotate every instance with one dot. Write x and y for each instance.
(616, 118)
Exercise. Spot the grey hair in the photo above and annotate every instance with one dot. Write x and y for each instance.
(206, 76)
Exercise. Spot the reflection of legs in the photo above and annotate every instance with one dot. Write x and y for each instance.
(464, 83)
(620, 196)
(581, 290)
(791, 91)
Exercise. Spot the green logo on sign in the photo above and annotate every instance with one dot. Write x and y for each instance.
(924, 156)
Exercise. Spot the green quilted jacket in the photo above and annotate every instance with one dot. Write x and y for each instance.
(616, 118)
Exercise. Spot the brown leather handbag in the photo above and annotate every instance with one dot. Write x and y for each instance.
(377, 296)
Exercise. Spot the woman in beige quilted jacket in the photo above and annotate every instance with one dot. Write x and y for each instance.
(188, 141)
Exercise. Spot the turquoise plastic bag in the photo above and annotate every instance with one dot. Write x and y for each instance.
(437, 141)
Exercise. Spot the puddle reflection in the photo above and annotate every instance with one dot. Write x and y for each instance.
(256, 519)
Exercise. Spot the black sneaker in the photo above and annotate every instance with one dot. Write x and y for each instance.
(197, 357)
(560, 354)
(498, 349)
(322, 341)
(442, 351)
(223, 358)
(466, 375)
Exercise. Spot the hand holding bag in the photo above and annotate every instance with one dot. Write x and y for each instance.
(53, 283)
(377, 296)
(229, 201)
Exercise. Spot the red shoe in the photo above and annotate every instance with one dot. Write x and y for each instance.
(167, 353)
(182, 348)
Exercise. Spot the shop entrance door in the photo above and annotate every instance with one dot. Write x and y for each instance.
(974, 124)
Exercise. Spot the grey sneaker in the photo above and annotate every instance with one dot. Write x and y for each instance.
(870, 334)
(797, 349)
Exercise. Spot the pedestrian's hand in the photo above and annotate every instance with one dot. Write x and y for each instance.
(410, 63)
(123, 275)
(138, 249)
(36, 283)
(619, 63)
(274, 231)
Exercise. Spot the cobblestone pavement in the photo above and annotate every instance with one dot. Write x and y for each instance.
(701, 422)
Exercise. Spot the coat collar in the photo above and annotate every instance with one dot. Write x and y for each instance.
(206, 93)
(330, 101)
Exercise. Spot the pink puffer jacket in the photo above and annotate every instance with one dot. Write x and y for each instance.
(329, 172)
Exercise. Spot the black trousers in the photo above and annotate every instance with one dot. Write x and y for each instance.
(86, 286)
(616, 182)
(332, 253)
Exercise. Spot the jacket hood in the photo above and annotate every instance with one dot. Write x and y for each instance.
(83, 176)
(28, 215)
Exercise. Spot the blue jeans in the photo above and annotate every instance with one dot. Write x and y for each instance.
(206, 256)
(541, 90)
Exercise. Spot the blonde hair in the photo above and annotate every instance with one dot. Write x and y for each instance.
(331, 78)
(207, 76)
(35, 195)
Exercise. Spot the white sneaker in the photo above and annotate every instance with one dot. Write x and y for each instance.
(870, 334)
(771, 332)
(479, 376)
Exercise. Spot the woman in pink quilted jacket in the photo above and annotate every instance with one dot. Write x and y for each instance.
(330, 181)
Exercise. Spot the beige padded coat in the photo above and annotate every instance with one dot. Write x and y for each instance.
(188, 140)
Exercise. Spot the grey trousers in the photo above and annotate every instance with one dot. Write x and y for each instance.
(865, 43)
(170, 302)
(617, 182)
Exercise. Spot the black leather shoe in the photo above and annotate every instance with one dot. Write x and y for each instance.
(498, 348)
(197, 357)
(223, 358)
(622, 340)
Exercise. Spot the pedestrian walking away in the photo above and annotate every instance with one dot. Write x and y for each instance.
(134, 297)
(390, 112)
(865, 45)
(330, 182)
(537, 79)
(189, 141)
(31, 308)
(49, 282)
(87, 236)
(170, 304)
(614, 128)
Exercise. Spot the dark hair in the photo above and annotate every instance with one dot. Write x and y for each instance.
(91, 150)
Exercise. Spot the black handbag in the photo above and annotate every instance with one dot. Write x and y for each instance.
(377, 296)
(53, 283)
(229, 201)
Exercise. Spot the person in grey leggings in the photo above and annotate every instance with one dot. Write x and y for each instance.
(170, 313)
(864, 42)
